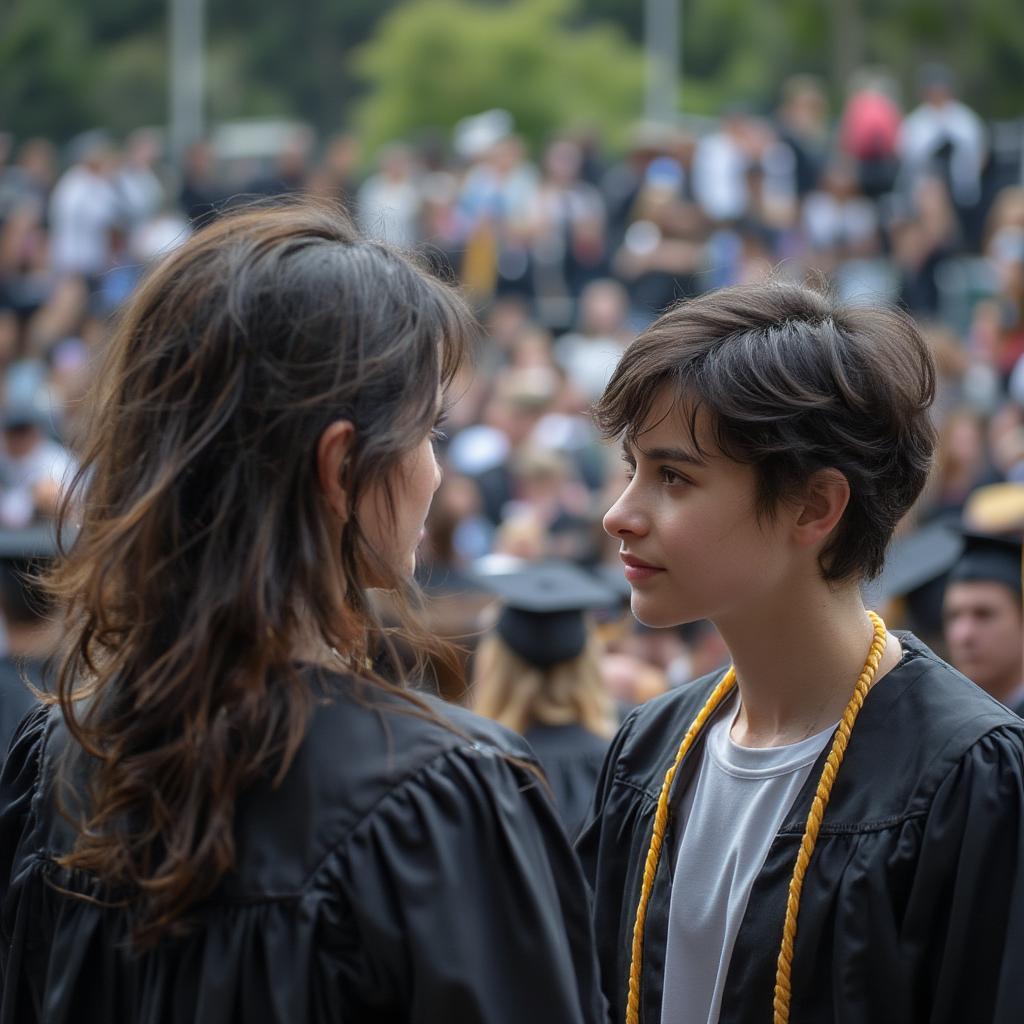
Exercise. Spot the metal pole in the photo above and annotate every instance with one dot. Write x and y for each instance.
(187, 87)
(662, 25)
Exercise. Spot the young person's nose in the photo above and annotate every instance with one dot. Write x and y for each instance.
(625, 518)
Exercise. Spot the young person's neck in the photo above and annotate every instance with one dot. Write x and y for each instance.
(797, 662)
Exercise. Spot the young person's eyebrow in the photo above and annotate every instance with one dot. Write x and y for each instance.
(664, 455)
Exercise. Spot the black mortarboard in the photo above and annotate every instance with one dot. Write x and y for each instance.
(542, 620)
(916, 559)
(988, 559)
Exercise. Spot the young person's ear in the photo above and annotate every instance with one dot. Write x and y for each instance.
(332, 453)
(821, 506)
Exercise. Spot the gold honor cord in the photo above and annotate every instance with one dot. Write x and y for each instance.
(783, 971)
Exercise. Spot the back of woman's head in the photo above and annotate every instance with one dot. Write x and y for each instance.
(519, 694)
(207, 555)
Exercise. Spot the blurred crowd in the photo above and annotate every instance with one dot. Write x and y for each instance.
(567, 253)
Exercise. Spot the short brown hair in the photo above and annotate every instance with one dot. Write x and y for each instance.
(795, 382)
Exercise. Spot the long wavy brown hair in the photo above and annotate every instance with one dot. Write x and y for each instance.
(203, 560)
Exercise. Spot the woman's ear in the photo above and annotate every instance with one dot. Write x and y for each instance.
(332, 453)
(822, 506)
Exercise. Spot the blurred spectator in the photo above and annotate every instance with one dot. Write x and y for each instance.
(26, 273)
(33, 467)
(840, 223)
(663, 246)
(201, 193)
(290, 171)
(135, 179)
(721, 168)
(944, 136)
(804, 128)
(962, 463)
(869, 131)
(923, 234)
(590, 354)
(336, 177)
(86, 211)
(495, 202)
(982, 618)
(538, 671)
(388, 203)
(29, 180)
(621, 183)
(568, 234)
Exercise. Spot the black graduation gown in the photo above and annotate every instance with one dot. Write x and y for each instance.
(571, 757)
(913, 903)
(401, 873)
(16, 699)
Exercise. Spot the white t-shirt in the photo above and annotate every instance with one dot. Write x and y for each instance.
(732, 810)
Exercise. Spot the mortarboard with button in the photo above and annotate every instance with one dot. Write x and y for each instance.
(915, 560)
(542, 619)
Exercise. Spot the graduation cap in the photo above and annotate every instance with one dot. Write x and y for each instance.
(542, 620)
(988, 559)
(914, 560)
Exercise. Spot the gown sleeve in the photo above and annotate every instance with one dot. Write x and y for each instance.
(468, 902)
(17, 790)
(966, 902)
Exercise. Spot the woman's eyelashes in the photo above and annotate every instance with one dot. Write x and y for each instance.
(670, 476)
(666, 474)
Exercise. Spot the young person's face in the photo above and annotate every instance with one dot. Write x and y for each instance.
(984, 633)
(419, 476)
(693, 522)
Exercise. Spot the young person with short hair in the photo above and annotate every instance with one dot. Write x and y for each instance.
(832, 829)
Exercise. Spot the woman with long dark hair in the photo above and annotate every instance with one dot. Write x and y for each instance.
(233, 809)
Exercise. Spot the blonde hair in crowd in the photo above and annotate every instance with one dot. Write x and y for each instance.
(517, 694)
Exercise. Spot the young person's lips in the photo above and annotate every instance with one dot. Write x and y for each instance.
(636, 571)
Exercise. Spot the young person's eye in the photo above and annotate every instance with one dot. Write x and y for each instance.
(630, 467)
(670, 476)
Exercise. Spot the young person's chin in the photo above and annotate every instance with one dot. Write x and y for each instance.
(658, 615)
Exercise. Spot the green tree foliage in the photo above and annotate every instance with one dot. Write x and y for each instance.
(432, 62)
(44, 72)
(399, 65)
(292, 58)
(744, 49)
